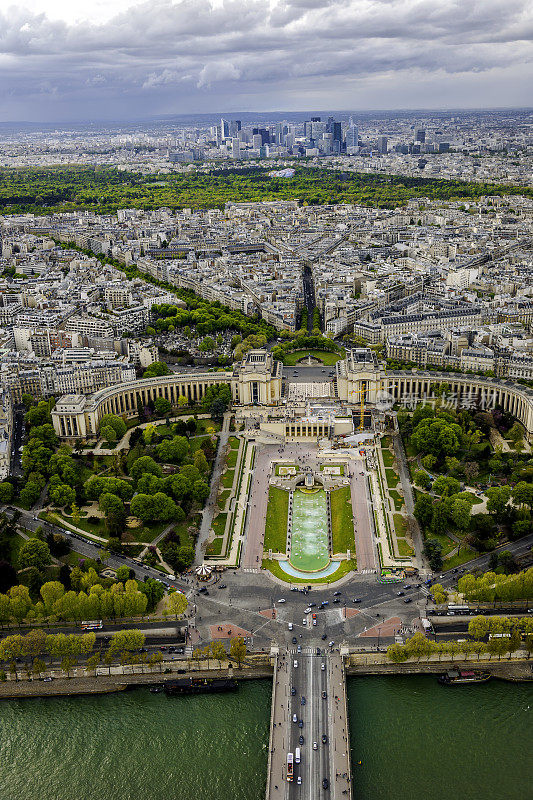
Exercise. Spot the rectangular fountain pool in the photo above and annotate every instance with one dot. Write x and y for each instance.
(309, 547)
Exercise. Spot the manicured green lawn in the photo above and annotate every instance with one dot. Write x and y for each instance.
(400, 525)
(342, 521)
(276, 520)
(231, 458)
(397, 498)
(465, 554)
(391, 477)
(388, 458)
(328, 359)
(227, 478)
(344, 568)
(219, 524)
(214, 548)
(404, 549)
(447, 543)
(385, 441)
(223, 498)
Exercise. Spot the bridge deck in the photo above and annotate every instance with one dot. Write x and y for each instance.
(310, 675)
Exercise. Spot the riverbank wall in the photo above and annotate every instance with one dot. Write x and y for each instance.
(355, 665)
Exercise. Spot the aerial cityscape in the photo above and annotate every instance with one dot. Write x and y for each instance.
(266, 400)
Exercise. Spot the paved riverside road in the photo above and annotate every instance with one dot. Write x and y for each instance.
(364, 538)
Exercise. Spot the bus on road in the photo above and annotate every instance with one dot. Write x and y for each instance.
(290, 767)
(92, 625)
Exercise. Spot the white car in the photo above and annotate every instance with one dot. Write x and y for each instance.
(308, 610)
(304, 621)
(322, 667)
(315, 746)
(291, 626)
(299, 781)
(294, 718)
(282, 600)
(295, 664)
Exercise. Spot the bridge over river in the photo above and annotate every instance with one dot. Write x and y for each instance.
(319, 704)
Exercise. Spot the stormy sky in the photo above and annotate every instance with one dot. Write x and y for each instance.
(122, 59)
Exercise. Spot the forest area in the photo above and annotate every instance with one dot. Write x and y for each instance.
(104, 189)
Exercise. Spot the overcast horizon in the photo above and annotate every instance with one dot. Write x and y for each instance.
(122, 60)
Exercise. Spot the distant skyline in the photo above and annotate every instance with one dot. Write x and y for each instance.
(124, 60)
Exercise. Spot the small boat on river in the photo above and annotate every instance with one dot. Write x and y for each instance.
(459, 676)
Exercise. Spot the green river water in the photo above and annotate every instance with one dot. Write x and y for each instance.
(416, 741)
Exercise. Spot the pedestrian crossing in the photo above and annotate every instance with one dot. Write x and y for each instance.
(306, 651)
(366, 571)
(251, 569)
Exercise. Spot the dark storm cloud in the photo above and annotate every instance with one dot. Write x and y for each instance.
(188, 52)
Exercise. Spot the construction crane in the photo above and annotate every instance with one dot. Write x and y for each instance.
(360, 394)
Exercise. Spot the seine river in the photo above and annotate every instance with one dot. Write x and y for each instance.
(415, 739)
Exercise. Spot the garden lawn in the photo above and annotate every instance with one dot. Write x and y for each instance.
(276, 520)
(214, 548)
(391, 478)
(447, 543)
(274, 567)
(219, 524)
(388, 458)
(465, 554)
(328, 359)
(400, 525)
(404, 549)
(342, 520)
(227, 478)
(222, 499)
(397, 498)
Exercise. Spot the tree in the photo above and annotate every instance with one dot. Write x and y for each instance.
(115, 422)
(522, 494)
(156, 369)
(62, 495)
(478, 627)
(424, 510)
(461, 514)
(440, 595)
(433, 552)
(471, 470)
(162, 406)
(51, 592)
(143, 465)
(446, 486)
(177, 604)
(126, 640)
(111, 504)
(6, 492)
(497, 499)
(238, 650)
(396, 653)
(34, 553)
(107, 432)
(422, 479)
(183, 401)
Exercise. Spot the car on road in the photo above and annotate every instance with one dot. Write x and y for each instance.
(356, 600)
(314, 622)
(301, 723)
(324, 739)
(337, 600)
(324, 695)
(301, 740)
(330, 644)
(294, 589)
(337, 594)
(299, 780)
(324, 603)
(294, 718)
(293, 691)
(295, 664)
(324, 637)
(315, 746)
(408, 600)
(294, 640)
(223, 586)
(47, 680)
(304, 621)
(400, 594)
(302, 701)
(281, 600)
(291, 626)
(325, 783)
(407, 586)
(312, 605)
(322, 667)
(299, 648)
